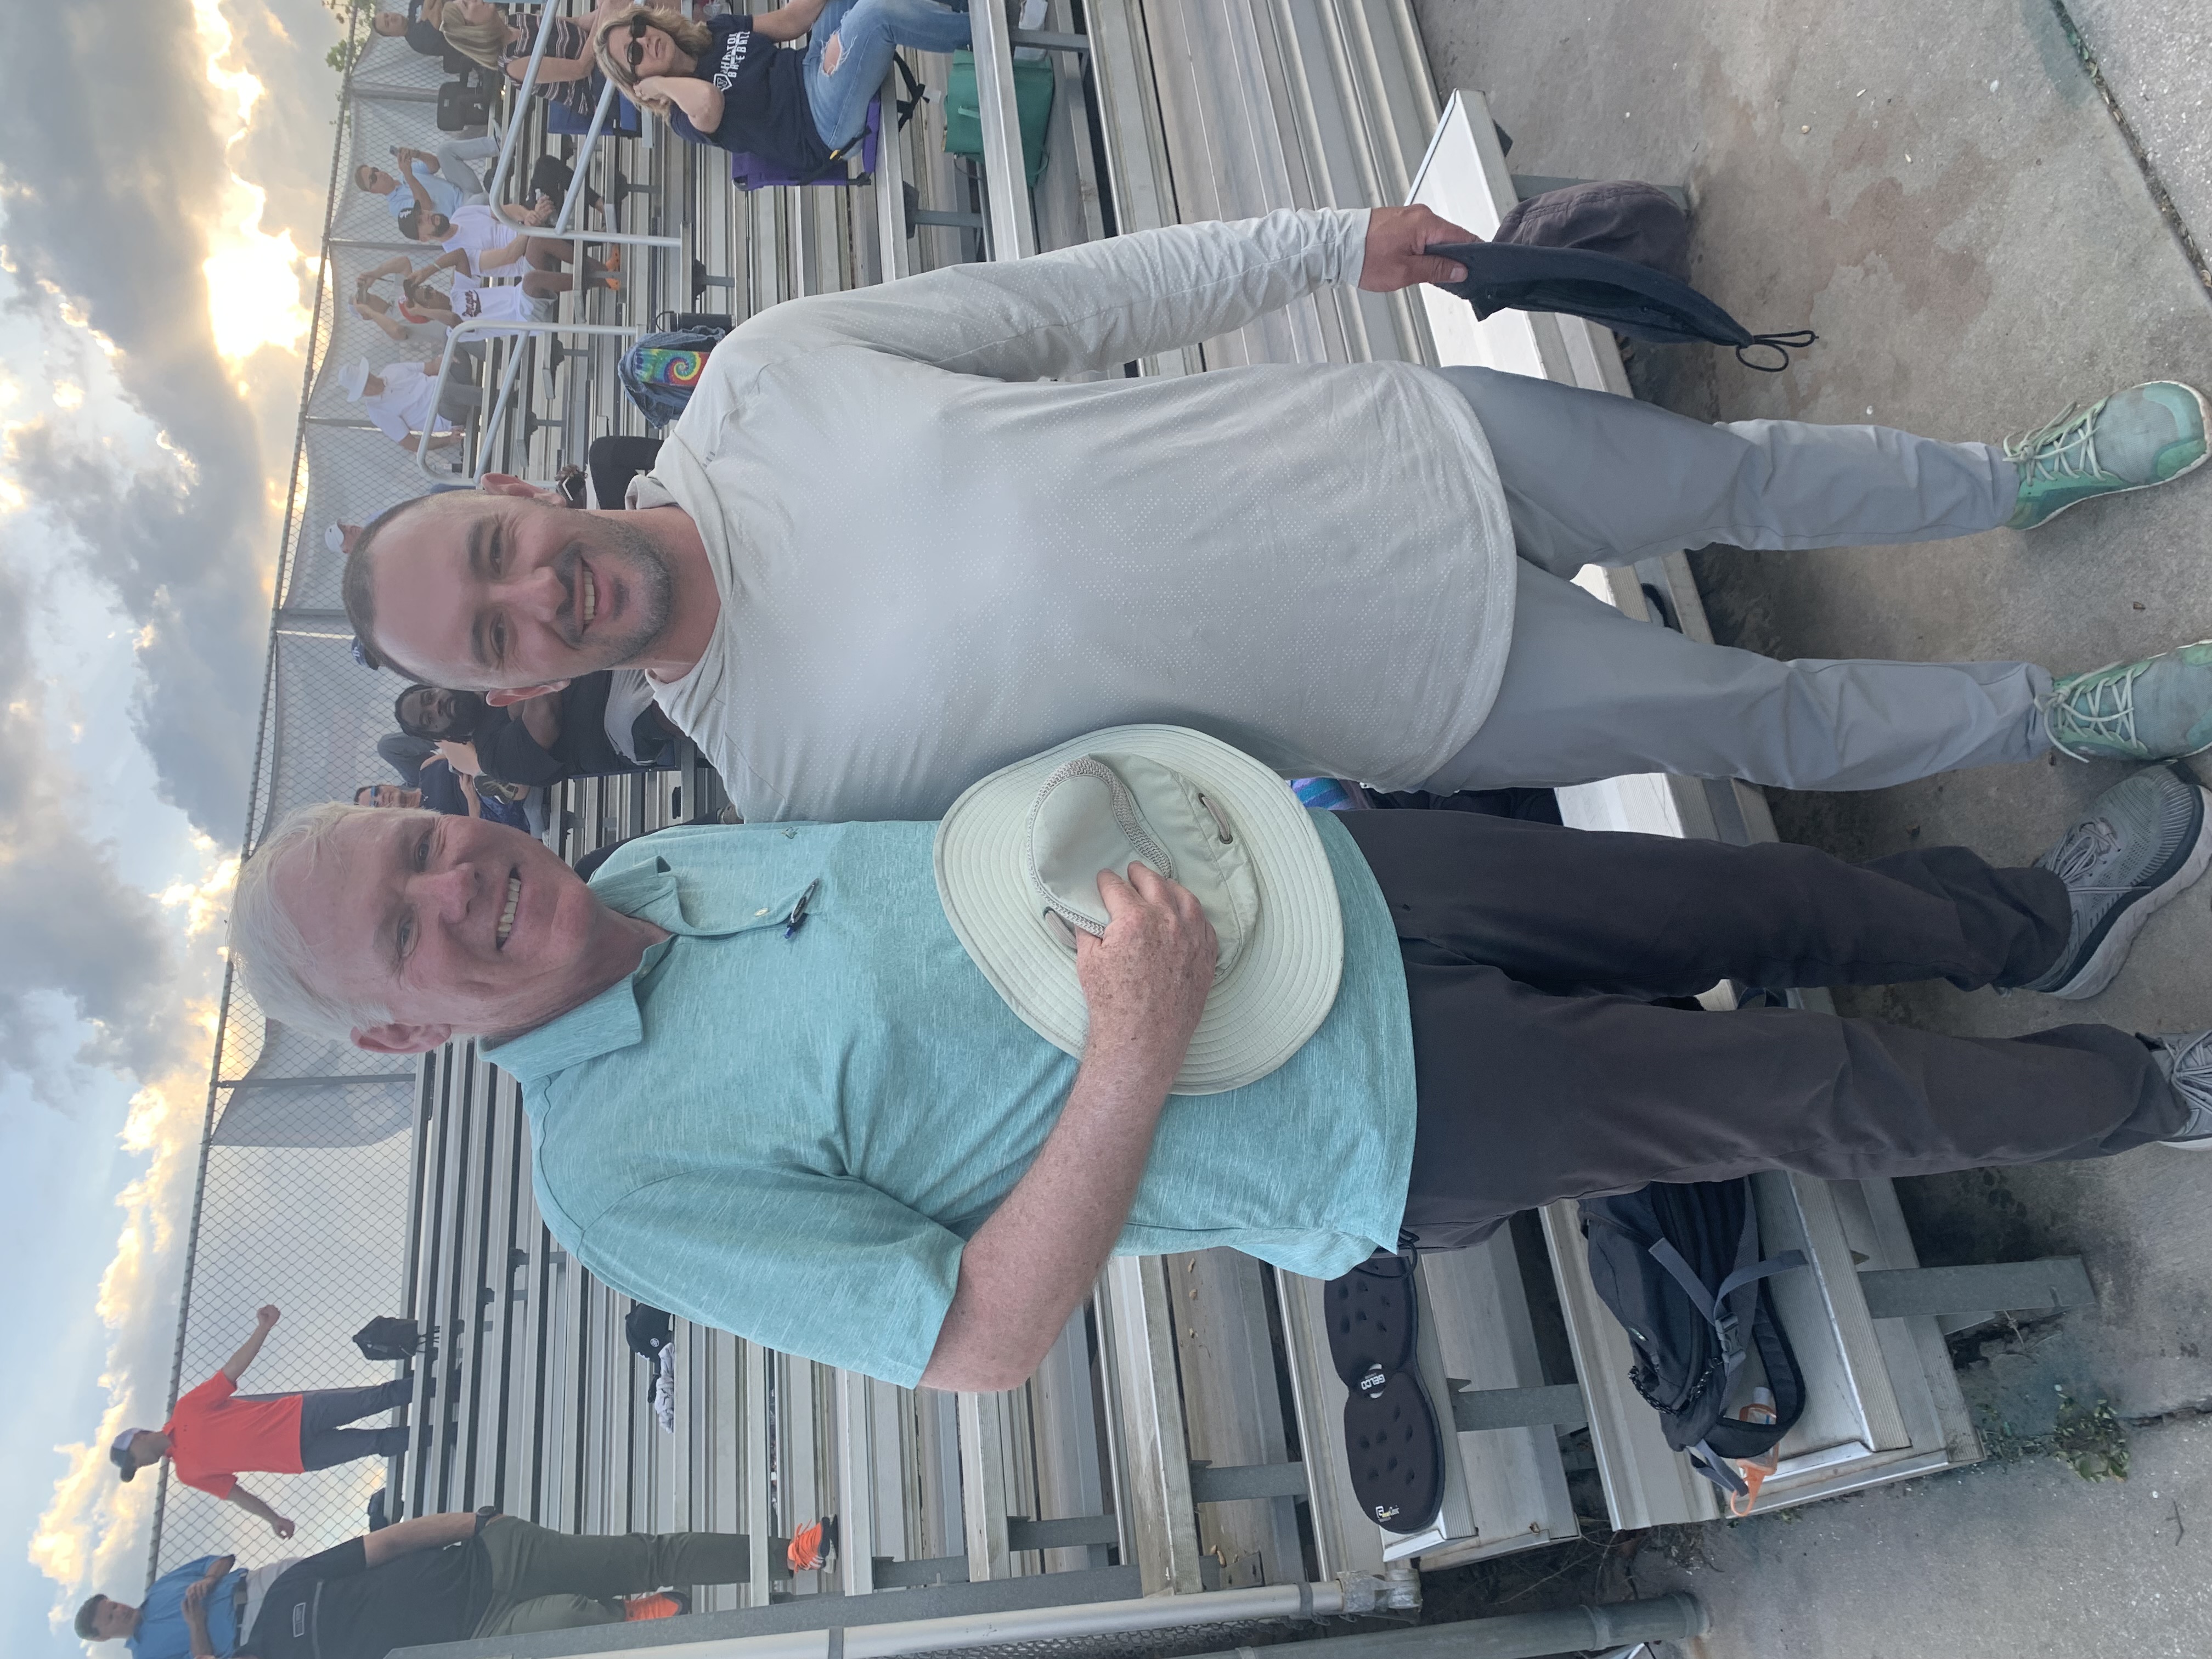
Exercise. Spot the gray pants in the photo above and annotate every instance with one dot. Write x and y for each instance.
(1590, 478)
(455, 167)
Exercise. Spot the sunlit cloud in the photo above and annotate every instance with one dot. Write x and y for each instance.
(252, 277)
(202, 903)
(93, 1532)
(67, 395)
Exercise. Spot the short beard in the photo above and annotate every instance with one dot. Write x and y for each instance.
(652, 588)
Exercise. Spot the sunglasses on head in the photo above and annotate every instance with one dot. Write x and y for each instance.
(636, 52)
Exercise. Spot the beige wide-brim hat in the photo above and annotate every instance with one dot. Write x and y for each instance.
(1018, 858)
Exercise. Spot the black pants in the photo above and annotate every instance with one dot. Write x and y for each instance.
(323, 1443)
(1533, 955)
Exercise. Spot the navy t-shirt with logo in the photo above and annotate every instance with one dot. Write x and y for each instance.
(336, 1606)
(764, 110)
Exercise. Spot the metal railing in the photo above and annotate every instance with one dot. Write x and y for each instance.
(562, 229)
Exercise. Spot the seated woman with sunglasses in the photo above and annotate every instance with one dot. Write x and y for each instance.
(725, 83)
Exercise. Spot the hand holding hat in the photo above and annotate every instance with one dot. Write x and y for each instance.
(1145, 980)
(1073, 842)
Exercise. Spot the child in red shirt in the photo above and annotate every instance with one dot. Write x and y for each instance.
(215, 1432)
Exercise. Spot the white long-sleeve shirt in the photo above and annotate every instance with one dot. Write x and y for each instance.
(933, 562)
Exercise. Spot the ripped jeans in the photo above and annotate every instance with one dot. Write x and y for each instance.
(867, 31)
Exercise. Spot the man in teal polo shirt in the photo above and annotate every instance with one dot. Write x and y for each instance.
(769, 1090)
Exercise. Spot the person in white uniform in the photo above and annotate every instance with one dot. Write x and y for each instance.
(402, 399)
(884, 552)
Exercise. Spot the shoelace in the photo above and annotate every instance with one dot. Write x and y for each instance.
(2087, 845)
(2065, 448)
(2106, 709)
(2190, 1070)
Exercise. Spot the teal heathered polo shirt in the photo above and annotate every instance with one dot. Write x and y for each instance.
(789, 1134)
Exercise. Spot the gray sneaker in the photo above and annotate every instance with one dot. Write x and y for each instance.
(2144, 840)
(2186, 1060)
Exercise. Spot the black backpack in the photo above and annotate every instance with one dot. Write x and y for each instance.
(462, 105)
(388, 1337)
(1679, 1265)
(648, 1330)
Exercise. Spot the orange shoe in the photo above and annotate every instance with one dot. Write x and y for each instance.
(661, 1604)
(611, 259)
(812, 1545)
(1754, 1470)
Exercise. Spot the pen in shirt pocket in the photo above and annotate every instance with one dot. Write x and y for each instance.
(797, 918)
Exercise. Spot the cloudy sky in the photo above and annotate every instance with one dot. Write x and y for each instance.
(162, 173)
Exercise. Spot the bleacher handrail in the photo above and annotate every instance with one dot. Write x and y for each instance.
(560, 227)
(498, 415)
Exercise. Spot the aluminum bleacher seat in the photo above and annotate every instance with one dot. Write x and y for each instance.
(1178, 1458)
(1883, 1403)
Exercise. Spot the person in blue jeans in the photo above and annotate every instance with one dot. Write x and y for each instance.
(726, 81)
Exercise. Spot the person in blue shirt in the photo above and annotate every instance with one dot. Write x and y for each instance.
(434, 1579)
(208, 1592)
(439, 788)
(770, 1091)
(725, 83)
(428, 183)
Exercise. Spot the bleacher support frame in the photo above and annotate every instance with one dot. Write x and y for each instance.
(1177, 1460)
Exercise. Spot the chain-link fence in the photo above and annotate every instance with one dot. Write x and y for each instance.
(308, 1175)
(305, 1186)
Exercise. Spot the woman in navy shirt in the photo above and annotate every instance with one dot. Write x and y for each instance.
(725, 81)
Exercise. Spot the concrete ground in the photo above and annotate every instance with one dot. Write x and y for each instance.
(1945, 194)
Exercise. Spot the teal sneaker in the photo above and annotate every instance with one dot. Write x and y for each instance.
(2159, 709)
(2148, 434)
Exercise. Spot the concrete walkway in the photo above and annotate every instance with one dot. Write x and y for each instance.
(1943, 193)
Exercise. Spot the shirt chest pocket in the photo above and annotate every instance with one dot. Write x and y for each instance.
(788, 912)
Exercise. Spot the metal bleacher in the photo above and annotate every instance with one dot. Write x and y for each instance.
(1177, 1461)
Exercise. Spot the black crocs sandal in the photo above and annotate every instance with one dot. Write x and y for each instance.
(1396, 1450)
(1373, 1318)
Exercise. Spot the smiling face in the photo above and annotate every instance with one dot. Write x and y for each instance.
(451, 924)
(387, 795)
(650, 51)
(495, 592)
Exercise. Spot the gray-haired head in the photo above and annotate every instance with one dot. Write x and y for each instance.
(268, 948)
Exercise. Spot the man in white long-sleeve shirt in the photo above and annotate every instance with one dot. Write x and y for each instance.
(885, 553)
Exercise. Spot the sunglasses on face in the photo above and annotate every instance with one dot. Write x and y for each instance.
(636, 52)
